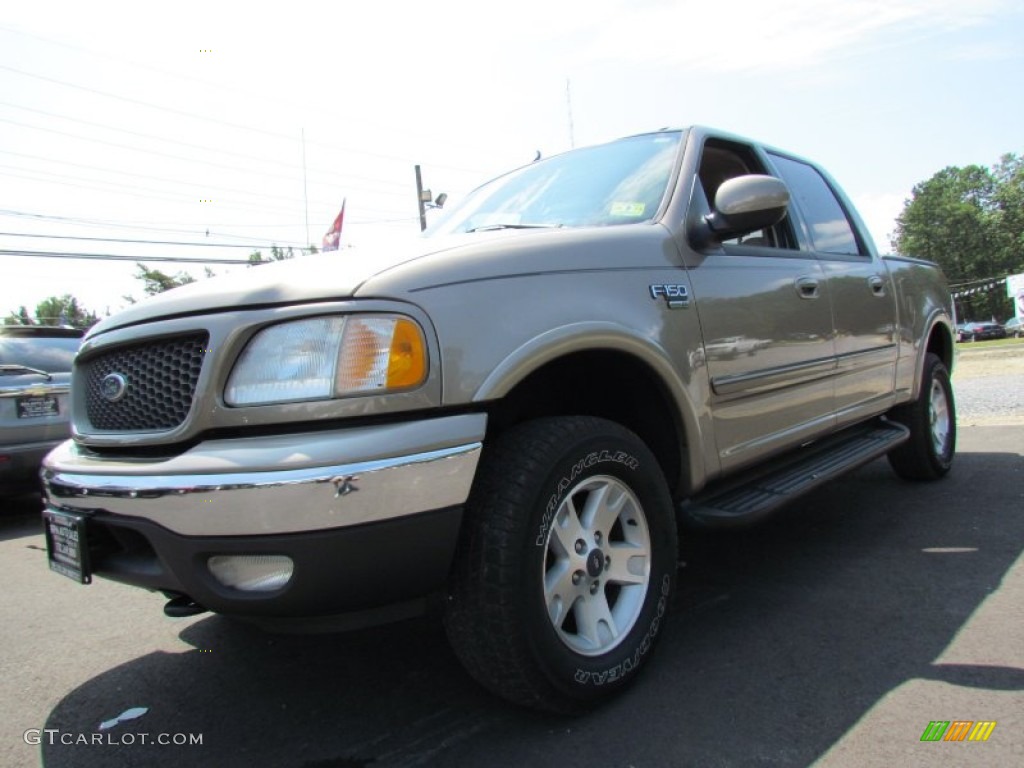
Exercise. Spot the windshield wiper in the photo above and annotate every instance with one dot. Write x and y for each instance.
(494, 227)
(20, 369)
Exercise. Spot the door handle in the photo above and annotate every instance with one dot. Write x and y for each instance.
(877, 285)
(807, 287)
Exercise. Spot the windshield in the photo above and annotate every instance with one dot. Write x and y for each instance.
(622, 182)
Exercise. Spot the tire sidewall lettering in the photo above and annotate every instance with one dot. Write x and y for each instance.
(596, 676)
(593, 458)
(620, 671)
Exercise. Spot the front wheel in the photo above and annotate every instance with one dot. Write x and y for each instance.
(565, 565)
(931, 419)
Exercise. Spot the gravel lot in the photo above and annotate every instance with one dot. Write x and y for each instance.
(989, 385)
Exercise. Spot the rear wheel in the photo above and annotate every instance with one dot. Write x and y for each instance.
(566, 563)
(931, 419)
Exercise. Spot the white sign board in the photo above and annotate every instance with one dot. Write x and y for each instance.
(1015, 290)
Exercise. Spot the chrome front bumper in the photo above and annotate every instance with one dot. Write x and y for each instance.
(279, 484)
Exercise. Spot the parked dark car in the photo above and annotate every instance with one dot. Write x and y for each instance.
(986, 331)
(35, 375)
(980, 332)
(1013, 327)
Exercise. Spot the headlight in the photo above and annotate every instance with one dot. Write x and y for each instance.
(324, 357)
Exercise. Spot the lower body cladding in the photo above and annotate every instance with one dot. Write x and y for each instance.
(324, 530)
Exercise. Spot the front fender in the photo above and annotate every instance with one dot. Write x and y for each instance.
(599, 336)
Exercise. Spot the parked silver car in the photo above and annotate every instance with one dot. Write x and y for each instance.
(35, 375)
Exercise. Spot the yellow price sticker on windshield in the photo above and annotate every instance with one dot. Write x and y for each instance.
(628, 209)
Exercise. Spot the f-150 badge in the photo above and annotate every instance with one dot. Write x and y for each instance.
(676, 296)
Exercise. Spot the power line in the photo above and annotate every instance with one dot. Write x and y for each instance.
(78, 221)
(204, 118)
(201, 147)
(156, 152)
(128, 189)
(136, 225)
(153, 194)
(249, 94)
(324, 209)
(234, 190)
(112, 187)
(140, 242)
(117, 257)
(64, 163)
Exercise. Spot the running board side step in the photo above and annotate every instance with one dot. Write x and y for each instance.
(753, 498)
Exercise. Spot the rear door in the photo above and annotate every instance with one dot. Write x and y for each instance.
(860, 290)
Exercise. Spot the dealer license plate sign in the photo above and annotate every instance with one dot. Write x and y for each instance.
(38, 407)
(66, 547)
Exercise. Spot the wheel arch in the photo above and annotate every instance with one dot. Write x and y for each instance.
(940, 343)
(585, 369)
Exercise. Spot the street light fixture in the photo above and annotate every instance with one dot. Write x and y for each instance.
(424, 197)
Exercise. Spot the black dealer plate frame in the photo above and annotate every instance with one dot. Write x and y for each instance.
(67, 544)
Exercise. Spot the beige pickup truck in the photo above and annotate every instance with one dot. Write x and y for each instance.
(507, 419)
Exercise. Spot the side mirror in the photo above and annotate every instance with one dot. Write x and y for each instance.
(747, 203)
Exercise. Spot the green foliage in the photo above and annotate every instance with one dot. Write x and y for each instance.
(155, 281)
(971, 222)
(1009, 200)
(21, 317)
(56, 310)
(276, 254)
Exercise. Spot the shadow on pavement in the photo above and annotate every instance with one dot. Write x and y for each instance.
(781, 637)
(20, 516)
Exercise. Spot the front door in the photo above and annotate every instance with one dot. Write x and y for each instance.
(766, 318)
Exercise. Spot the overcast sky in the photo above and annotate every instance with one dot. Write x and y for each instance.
(138, 121)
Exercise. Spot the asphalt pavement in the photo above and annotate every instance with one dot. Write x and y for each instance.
(833, 635)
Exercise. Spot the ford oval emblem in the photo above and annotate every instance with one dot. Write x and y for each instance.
(113, 387)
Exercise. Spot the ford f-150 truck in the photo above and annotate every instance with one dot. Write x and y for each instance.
(507, 419)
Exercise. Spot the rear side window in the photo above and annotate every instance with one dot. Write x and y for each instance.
(831, 231)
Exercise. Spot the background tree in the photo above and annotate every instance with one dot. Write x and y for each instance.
(56, 310)
(21, 317)
(276, 254)
(154, 281)
(1009, 202)
(969, 221)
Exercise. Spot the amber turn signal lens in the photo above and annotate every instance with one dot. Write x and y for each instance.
(380, 353)
(407, 363)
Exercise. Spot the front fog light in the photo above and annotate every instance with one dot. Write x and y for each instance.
(252, 573)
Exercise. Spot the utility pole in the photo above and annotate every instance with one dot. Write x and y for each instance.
(420, 201)
(305, 192)
(568, 107)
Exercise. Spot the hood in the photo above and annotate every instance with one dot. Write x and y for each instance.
(321, 277)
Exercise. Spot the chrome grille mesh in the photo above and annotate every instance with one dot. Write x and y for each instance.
(161, 380)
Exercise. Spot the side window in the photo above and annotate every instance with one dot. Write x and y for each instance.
(723, 160)
(830, 229)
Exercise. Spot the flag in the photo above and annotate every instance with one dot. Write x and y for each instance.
(333, 236)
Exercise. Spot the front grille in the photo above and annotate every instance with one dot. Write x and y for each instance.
(161, 381)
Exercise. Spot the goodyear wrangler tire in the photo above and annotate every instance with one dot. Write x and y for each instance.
(565, 565)
(931, 419)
